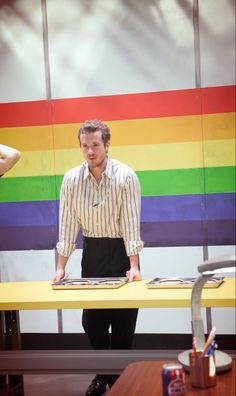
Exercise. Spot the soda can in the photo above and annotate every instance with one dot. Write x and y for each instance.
(173, 379)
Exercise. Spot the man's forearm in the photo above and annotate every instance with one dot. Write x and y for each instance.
(134, 261)
(61, 262)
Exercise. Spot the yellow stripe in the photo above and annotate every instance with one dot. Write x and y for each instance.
(147, 157)
(34, 163)
(126, 132)
(219, 153)
(177, 155)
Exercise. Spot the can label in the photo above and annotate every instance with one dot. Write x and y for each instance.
(176, 387)
(173, 380)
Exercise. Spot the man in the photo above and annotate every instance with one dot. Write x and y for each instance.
(8, 158)
(102, 197)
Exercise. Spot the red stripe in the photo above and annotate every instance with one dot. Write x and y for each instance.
(218, 99)
(118, 107)
(25, 113)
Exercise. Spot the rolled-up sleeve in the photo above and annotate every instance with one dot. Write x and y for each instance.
(130, 215)
(68, 224)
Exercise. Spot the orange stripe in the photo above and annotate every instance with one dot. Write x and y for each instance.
(119, 107)
(127, 132)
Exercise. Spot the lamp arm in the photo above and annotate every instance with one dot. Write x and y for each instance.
(197, 322)
(217, 263)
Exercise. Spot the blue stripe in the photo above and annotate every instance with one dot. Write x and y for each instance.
(154, 209)
(39, 213)
(189, 207)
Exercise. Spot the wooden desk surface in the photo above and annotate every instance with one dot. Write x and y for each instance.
(40, 295)
(144, 379)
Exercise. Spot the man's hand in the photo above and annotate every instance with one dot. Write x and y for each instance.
(133, 274)
(59, 275)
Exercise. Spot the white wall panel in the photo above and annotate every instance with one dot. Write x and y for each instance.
(174, 261)
(27, 265)
(217, 42)
(224, 319)
(101, 47)
(164, 320)
(217, 251)
(72, 321)
(21, 48)
(41, 321)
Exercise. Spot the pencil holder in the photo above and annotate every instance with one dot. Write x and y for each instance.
(202, 370)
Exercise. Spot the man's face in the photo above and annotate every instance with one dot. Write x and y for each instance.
(93, 148)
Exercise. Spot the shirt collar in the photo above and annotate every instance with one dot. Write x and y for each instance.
(107, 172)
(86, 170)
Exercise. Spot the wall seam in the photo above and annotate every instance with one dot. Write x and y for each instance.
(49, 97)
(197, 62)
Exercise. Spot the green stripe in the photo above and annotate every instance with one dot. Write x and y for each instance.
(222, 178)
(164, 182)
(36, 188)
(187, 181)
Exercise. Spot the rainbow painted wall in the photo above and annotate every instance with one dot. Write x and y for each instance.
(180, 143)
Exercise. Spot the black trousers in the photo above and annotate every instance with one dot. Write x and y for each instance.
(107, 328)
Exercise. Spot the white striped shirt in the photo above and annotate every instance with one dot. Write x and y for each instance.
(110, 209)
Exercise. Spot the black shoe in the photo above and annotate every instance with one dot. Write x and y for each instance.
(97, 387)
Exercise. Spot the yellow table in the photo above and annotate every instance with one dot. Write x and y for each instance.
(40, 295)
(16, 296)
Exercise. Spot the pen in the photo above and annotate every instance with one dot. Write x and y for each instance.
(211, 349)
(209, 341)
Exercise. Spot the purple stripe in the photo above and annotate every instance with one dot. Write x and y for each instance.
(27, 238)
(189, 233)
(164, 208)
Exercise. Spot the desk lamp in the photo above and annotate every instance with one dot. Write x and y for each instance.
(207, 269)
